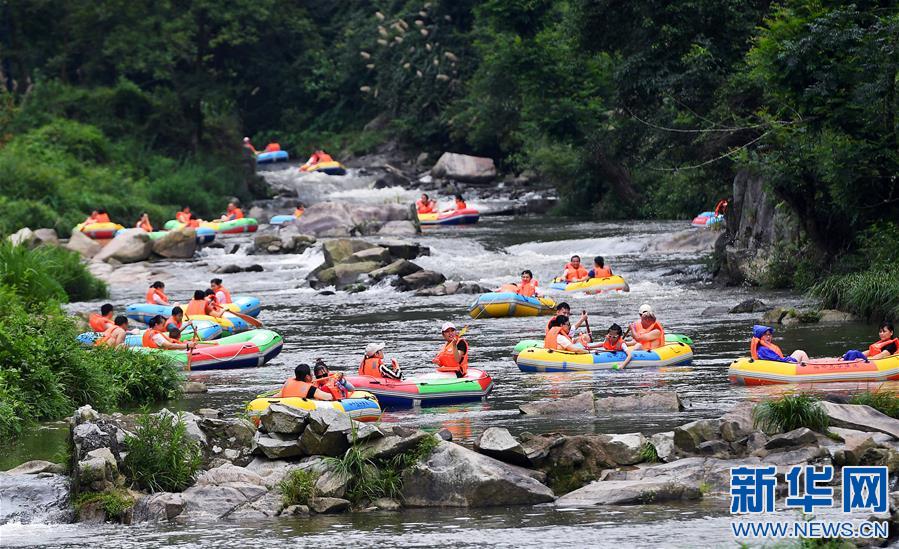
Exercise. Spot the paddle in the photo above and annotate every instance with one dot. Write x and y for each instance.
(248, 319)
(587, 325)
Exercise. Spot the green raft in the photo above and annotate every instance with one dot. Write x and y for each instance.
(243, 350)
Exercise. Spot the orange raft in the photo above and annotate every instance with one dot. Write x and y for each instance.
(746, 371)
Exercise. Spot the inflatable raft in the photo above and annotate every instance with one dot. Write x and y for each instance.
(245, 350)
(528, 343)
(329, 168)
(707, 219)
(230, 324)
(206, 329)
(436, 388)
(503, 304)
(282, 219)
(746, 371)
(237, 226)
(594, 285)
(538, 359)
(205, 235)
(360, 405)
(99, 230)
(271, 157)
(467, 216)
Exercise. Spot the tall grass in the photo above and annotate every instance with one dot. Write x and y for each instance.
(871, 294)
(47, 274)
(298, 487)
(161, 456)
(882, 401)
(790, 412)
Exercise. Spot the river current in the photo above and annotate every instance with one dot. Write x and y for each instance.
(337, 327)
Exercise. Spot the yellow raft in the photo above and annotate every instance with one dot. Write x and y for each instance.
(361, 405)
(504, 304)
(747, 371)
(99, 230)
(538, 359)
(594, 285)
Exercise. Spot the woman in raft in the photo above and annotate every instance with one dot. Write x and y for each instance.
(526, 288)
(336, 383)
(373, 363)
(557, 338)
(886, 346)
(762, 348)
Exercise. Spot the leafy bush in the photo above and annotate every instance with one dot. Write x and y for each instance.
(114, 503)
(648, 453)
(790, 412)
(47, 274)
(871, 294)
(161, 456)
(882, 401)
(298, 487)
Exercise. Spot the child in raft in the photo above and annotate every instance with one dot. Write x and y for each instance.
(614, 341)
(336, 384)
(762, 348)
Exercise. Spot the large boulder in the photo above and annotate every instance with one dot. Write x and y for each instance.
(128, 246)
(394, 444)
(582, 403)
(420, 279)
(405, 250)
(398, 228)
(23, 237)
(690, 436)
(627, 492)
(83, 244)
(276, 446)
(337, 219)
(862, 418)
(158, 507)
(657, 401)
(178, 244)
(750, 306)
(36, 466)
(797, 437)
(454, 476)
(833, 315)
(461, 167)
(46, 237)
(498, 443)
(400, 267)
(335, 251)
(284, 419)
(41, 498)
(378, 255)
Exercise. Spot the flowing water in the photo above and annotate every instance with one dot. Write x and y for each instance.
(337, 327)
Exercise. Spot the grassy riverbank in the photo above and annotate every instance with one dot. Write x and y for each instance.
(45, 374)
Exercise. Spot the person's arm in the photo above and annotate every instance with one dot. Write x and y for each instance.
(889, 350)
(458, 352)
(318, 395)
(579, 322)
(630, 356)
(569, 346)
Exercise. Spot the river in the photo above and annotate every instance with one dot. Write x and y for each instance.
(337, 327)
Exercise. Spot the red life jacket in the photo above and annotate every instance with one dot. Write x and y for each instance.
(639, 334)
(330, 385)
(182, 217)
(227, 295)
(98, 323)
(236, 213)
(754, 348)
(370, 366)
(460, 205)
(158, 292)
(528, 289)
(295, 388)
(720, 207)
(601, 272)
(572, 274)
(446, 359)
(424, 208)
(173, 323)
(609, 346)
(877, 348)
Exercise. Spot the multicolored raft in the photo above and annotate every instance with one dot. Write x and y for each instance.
(538, 359)
(361, 405)
(436, 388)
(503, 304)
(593, 285)
(245, 350)
(747, 371)
(467, 216)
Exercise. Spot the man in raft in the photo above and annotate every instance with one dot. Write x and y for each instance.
(187, 218)
(453, 357)
(425, 205)
(232, 212)
(199, 306)
(574, 271)
(599, 269)
(761, 347)
(317, 157)
(301, 386)
(646, 333)
(157, 338)
(176, 320)
(144, 223)
(114, 336)
(564, 309)
(101, 322)
(222, 295)
(373, 363)
(156, 294)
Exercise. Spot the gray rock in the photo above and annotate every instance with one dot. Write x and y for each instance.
(327, 444)
(264, 242)
(177, 244)
(688, 437)
(625, 449)
(394, 445)
(276, 446)
(23, 237)
(716, 448)
(454, 476)
(219, 501)
(194, 387)
(128, 246)
(325, 506)
(284, 419)
(404, 250)
(750, 306)
(210, 413)
(348, 273)
(83, 244)
(420, 279)
(774, 316)
(462, 167)
(862, 418)
(628, 492)
(274, 471)
(791, 439)
(339, 219)
(365, 432)
(715, 310)
(432, 291)
(832, 315)
(664, 445)
(35, 498)
(158, 507)
(228, 269)
(295, 510)
(46, 237)
(582, 403)
(266, 507)
(498, 443)
(228, 474)
(387, 504)
(662, 401)
(377, 254)
(445, 434)
(84, 414)
(336, 251)
(332, 484)
(398, 228)
(37, 466)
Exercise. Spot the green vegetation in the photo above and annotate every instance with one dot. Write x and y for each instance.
(298, 487)
(870, 294)
(790, 412)
(161, 455)
(114, 503)
(47, 274)
(882, 401)
(648, 453)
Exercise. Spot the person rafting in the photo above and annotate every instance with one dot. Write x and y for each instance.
(232, 212)
(144, 223)
(222, 295)
(157, 338)
(453, 357)
(301, 386)
(215, 308)
(599, 269)
(187, 218)
(721, 207)
(336, 383)
(299, 210)
(574, 271)
(317, 157)
(273, 146)
(156, 294)
(646, 333)
(761, 347)
(887, 345)
(425, 205)
(614, 341)
(176, 320)
(247, 144)
(102, 216)
(557, 338)
(91, 219)
(200, 306)
(564, 309)
(528, 285)
(114, 336)
(100, 322)
(373, 363)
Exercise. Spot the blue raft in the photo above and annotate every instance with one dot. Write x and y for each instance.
(282, 219)
(206, 330)
(270, 157)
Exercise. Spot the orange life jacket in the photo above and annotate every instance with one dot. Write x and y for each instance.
(424, 208)
(106, 338)
(227, 295)
(572, 274)
(298, 212)
(639, 334)
(720, 207)
(754, 348)
(446, 359)
(460, 205)
(370, 366)
(322, 156)
(172, 322)
(508, 288)
(236, 213)
(196, 307)
(146, 340)
(145, 225)
(102, 218)
(330, 384)
(293, 387)
(182, 217)
(213, 304)
(551, 341)
(98, 323)
(609, 346)
(601, 272)
(156, 291)
(272, 147)
(528, 289)
(877, 348)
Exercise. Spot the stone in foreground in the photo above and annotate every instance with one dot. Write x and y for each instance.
(629, 492)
